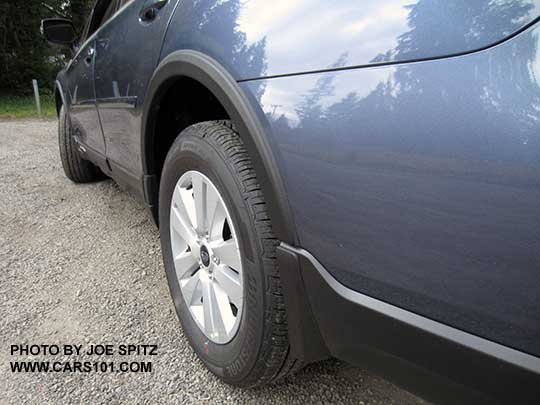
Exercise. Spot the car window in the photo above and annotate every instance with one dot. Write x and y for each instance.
(103, 10)
(109, 12)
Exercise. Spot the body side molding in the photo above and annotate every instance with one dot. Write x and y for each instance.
(474, 342)
(442, 363)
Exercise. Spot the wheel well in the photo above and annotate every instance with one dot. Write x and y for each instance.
(181, 102)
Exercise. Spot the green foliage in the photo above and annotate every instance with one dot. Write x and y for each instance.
(78, 11)
(24, 54)
(25, 106)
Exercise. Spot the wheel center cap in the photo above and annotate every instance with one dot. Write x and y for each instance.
(205, 256)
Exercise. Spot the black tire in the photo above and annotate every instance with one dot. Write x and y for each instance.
(75, 167)
(259, 352)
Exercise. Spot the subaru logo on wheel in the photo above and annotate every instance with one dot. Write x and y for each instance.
(205, 256)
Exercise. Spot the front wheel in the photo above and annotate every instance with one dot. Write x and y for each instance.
(77, 169)
(220, 257)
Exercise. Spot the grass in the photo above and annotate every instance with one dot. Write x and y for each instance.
(25, 107)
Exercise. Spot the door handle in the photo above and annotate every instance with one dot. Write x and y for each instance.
(150, 12)
(90, 56)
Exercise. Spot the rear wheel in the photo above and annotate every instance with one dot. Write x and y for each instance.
(220, 257)
(75, 167)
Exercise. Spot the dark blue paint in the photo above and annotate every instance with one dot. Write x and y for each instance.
(417, 183)
(121, 78)
(300, 36)
(81, 96)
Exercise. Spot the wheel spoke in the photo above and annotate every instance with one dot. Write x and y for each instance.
(183, 200)
(229, 281)
(224, 307)
(219, 216)
(199, 197)
(191, 289)
(213, 205)
(213, 323)
(227, 252)
(185, 264)
(181, 226)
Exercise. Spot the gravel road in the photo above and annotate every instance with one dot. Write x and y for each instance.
(81, 264)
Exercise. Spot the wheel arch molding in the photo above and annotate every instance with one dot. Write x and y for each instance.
(244, 112)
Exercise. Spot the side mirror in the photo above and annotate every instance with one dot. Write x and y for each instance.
(58, 31)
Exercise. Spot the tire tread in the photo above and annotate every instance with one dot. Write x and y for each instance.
(275, 361)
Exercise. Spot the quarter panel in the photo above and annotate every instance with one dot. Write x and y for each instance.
(258, 38)
(419, 184)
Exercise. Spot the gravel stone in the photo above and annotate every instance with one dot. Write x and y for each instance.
(81, 264)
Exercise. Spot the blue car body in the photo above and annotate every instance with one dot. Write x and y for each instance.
(399, 144)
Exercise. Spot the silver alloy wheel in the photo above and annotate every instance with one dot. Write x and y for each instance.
(206, 256)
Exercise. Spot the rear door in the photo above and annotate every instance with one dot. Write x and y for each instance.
(127, 53)
(82, 99)
(83, 113)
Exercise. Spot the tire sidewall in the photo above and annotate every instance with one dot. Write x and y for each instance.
(234, 360)
(62, 123)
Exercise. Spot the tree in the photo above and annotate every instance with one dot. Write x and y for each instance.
(24, 54)
(78, 11)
